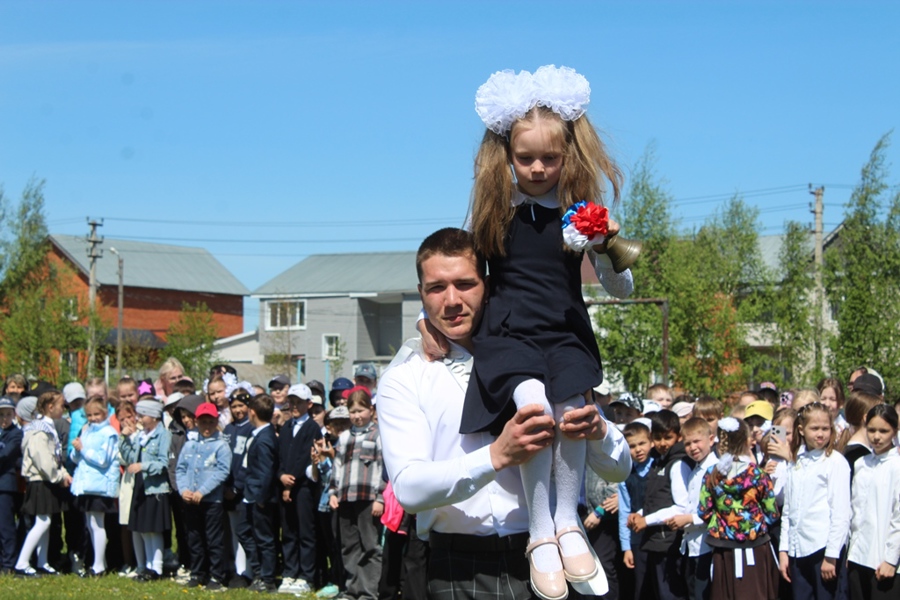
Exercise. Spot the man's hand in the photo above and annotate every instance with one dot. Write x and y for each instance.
(583, 423)
(434, 343)
(523, 436)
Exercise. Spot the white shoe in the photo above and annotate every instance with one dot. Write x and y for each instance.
(287, 586)
(301, 586)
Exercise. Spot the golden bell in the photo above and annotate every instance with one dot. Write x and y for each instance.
(622, 253)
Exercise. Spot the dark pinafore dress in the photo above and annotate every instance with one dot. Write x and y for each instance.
(535, 324)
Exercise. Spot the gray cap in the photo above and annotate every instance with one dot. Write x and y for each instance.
(339, 412)
(26, 407)
(149, 408)
(7, 402)
(74, 391)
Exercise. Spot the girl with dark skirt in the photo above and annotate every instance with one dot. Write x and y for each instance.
(47, 480)
(146, 456)
(738, 501)
(95, 483)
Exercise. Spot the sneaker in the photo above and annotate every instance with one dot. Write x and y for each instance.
(301, 586)
(287, 586)
(76, 562)
(146, 576)
(127, 571)
(328, 592)
(193, 582)
(214, 586)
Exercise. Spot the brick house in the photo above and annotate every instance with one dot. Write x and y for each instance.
(158, 279)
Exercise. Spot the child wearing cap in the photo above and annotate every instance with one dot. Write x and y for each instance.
(298, 497)
(338, 387)
(146, 456)
(237, 432)
(10, 463)
(203, 466)
(758, 416)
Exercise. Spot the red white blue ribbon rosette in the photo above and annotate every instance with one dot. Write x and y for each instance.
(585, 224)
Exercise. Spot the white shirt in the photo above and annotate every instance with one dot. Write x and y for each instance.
(678, 484)
(693, 543)
(816, 511)
(875, 526)
(445, 477)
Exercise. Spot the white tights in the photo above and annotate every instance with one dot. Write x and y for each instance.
(566, 459)
(38, 538)
(98, 539)
(148, 551)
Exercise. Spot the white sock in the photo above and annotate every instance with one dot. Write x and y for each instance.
(41, 529)
(140, 556)
(98, 540)
(568, 468)
(154, 551)
(240, 557)
(536, 483)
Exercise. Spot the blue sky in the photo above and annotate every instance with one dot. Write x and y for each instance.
(268, 131)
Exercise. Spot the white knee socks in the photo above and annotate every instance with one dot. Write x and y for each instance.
(98, 539)
(536, 482)
(568, 468)
(38, 537)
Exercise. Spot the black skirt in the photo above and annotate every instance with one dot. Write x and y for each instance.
(93, 503)
(149, 512)
(43, 498)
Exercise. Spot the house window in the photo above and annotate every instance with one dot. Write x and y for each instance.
(331, 346)
(286, 315)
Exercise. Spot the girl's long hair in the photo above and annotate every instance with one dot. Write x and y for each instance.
(736, 443)
(586, 165)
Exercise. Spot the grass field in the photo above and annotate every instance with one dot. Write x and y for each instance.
(112, 586)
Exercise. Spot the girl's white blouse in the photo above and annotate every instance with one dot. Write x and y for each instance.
(875, 526)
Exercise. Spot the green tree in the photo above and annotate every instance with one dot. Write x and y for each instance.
(861, 276)
(190, 339)
(630, 336)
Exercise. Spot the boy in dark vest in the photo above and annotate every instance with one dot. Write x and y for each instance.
(665, 496)
(631, 502)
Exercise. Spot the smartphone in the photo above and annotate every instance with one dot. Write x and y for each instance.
(780, 433)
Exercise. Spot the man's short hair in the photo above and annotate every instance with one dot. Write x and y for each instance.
(449, 241)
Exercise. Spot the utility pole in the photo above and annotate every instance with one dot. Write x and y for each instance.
(819, 266)
(121, 311)
(94, 252)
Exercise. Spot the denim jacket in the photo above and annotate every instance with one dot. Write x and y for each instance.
(153, 451)
(97, 470)
(203, 466)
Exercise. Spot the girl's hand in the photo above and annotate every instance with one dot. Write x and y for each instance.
(67, 480)
(187, 497)
(679, 522)
(377, 509)
(829, 570)
(784, 566)
(333, 502)
(591, 520)
(325, 449)
(776, 447)
(611, 230)
(434, 343)
(77, 444)
(127, 427)
(770, 467)
(628, 559)
(885, 571)
(134, 468)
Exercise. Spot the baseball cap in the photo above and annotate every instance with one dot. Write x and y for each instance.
(684, 409)
(6, 402)
(869, 384)
(316, 387)
(337, 388)
(650, 406)
(27, 405)
(760, 408)
(339, 412)
(207, 409)
(173, 398)
(300, 390)
(628, 400)
(280, 380)
(73, 391)
(366, 370)
(356, 388)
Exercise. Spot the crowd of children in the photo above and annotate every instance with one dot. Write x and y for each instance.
(261, 488)
(792, 495)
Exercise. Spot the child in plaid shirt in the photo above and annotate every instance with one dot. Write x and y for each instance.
(356, 494)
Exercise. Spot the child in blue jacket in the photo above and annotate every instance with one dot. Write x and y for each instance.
(203, 466)
(95, 483)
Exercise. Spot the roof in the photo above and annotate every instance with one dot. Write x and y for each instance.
(371, 272)
(157, 266)
(770, 247)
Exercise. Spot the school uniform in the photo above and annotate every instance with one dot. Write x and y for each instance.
(10, 498)
(258, 531)
(237, 434)
(631, 500)
(298, 536)
(697, 553)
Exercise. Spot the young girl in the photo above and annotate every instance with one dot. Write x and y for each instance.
(127, 417)
(95, 483)
(817, 492)
(831, 393)
(356, 493)
(738, 502)
(541, 167)
(216, 394)
(874, 549)
(146, 457)
(854, 443)
(45, 493)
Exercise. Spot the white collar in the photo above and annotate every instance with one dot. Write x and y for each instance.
(548, 200)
